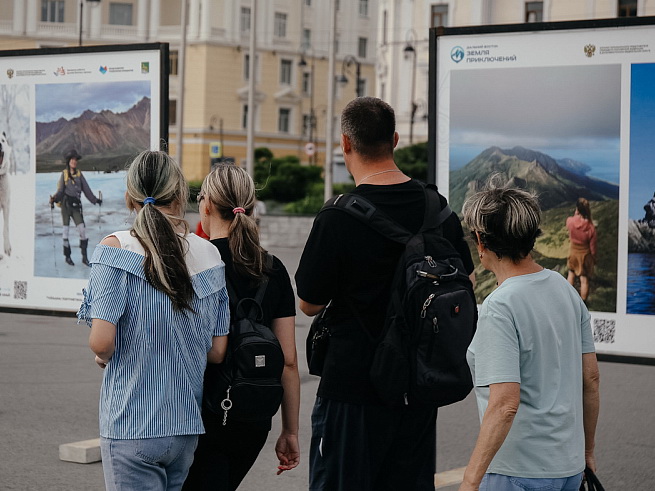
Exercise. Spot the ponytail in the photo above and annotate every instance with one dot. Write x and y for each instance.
(155, 180)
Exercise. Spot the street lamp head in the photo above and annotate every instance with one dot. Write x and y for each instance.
(409, 51)
(302, 61)
(342, 80)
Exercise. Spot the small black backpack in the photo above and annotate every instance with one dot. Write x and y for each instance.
(247, 387)
(420, 356)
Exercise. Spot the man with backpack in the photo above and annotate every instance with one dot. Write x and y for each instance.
(359, 441)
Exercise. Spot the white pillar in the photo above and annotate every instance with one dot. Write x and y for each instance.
(206, 19)
(19, 17)
(33, 14)
(155, 9)
(252, 85)
(142, 20)
(194, 19)
(95, 24)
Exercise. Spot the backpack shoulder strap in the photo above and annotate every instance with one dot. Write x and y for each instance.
(235, 302)
(366, 212)
(363, 210)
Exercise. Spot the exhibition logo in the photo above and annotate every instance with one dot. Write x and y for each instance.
(103, 69)
(59, 71)
(457, 54)
(589, 50)
(10, 73)
(145, 67)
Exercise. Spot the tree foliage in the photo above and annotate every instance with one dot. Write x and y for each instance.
(413, 160)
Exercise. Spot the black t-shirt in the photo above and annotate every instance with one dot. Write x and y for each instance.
(353, 265)
(278, 302)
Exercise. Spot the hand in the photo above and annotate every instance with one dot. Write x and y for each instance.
(52, 201)
(99, 202)
(101, 363)
(288, 452)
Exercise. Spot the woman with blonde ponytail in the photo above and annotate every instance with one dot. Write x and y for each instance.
(158, 310)
(226, 453)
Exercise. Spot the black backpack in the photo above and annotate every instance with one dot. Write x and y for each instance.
(420, 356)
(247, 386)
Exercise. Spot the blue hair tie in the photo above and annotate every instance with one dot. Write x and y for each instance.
(149, 201)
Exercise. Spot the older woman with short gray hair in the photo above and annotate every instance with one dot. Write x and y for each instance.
(532, 358)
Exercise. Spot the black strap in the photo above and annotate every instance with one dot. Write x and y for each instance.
(366, 212)
(259, 295)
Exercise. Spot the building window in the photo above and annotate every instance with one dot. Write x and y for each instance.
(244, 25)
(120, 14)
(280, 27)
(534, 11)
(361, 47)
(363, 8)
(52, 10)
(285, 72)
(336, 43)
(627, 8)
(172, 62)
(172, 112)
(308, 3)
(385, 22)
(244, 116)
(283, 120)
(439, 15)
(306, 38)
(306, 83)
(246, 67)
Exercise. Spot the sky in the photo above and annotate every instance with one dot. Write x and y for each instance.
(54, 101)
(642, 140)
(571, 111)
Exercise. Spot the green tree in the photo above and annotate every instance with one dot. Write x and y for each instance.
(413, 160)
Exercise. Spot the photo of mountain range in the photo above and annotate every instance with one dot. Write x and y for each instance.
(553, 131)
(107, 124)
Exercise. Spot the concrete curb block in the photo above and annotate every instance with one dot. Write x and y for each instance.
(84, 452)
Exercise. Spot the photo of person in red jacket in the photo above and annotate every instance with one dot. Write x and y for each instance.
(582, 250)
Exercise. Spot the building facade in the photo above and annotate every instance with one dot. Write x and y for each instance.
(291, 63)
(402, 54)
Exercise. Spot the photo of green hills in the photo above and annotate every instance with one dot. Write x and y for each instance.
(558, 185)
(554, 131)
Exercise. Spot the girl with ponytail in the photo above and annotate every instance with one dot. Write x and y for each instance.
(226, 453)
(158, 310)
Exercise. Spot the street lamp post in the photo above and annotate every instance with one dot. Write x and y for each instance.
(343, 80)
(312, 117)
(408, 51)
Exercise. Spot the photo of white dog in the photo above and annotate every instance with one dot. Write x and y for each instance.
(5, 163)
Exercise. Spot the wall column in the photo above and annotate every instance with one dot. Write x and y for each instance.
(142, 20)
(19, 17)
(194, 19)
(155, 9)
(95, 23)
(206, 19)
(32, 15)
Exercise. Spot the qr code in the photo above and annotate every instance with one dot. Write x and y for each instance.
(20, 290)
(604, 330)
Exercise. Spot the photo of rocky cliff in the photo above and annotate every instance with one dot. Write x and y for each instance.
(554, 131)
(640, 297)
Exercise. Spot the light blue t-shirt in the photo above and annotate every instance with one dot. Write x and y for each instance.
(533, 329)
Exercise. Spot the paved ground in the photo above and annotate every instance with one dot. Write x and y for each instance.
(49, 393)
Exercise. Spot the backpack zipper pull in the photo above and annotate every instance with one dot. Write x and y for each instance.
(430, 261)
(226, 405)
(425, 305)
(405, 397)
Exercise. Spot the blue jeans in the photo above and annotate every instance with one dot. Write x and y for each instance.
(149, 464)
(499, 482)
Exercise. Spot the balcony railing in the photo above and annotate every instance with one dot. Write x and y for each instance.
(60, 29)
